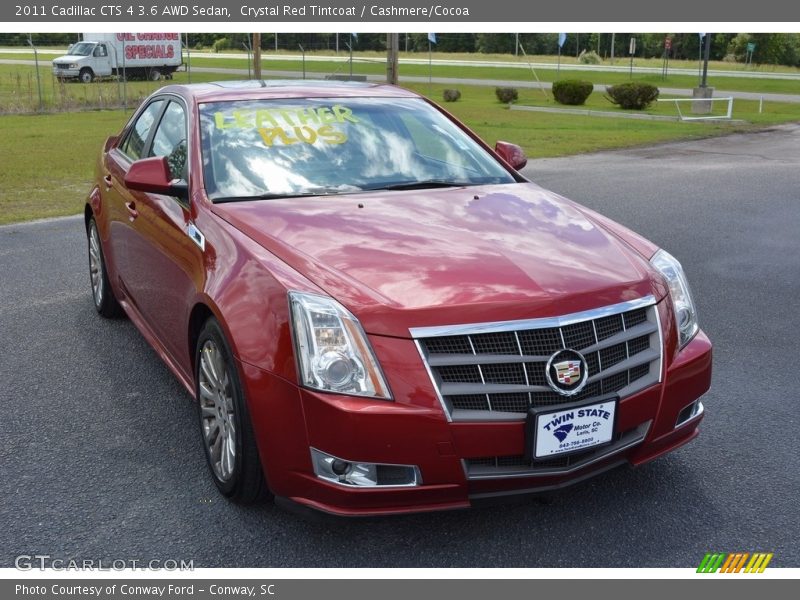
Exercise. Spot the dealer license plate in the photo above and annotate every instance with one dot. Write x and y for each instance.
(574, 429)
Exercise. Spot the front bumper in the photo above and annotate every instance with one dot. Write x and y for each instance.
(413, 430)
(65, 73)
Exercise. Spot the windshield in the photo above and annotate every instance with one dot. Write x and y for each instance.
(278, 148)
(81, 49)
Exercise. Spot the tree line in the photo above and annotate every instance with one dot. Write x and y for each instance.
(770, 48)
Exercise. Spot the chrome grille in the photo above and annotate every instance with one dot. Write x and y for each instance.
(496, 371)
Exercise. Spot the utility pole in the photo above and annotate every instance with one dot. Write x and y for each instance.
(613, 35)
(257, 55)
(188, 59)
(392, 49)
(706, 53)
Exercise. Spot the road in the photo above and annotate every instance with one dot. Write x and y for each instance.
(455, 82)
(623, 65)
(100, 457)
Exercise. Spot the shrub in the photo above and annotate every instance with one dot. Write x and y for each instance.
(572, 91)
(451, 95)
(589, 58)
(633, 95)
(221, 44)
(506, 95)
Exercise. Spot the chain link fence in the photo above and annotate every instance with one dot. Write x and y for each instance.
(28, 82)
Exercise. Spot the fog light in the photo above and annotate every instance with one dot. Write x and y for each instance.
(340, 467)
(362, 474)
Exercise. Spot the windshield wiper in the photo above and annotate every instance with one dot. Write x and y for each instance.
(222, 199)
(421, 185)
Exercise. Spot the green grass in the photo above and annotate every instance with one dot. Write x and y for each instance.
(620, 61)
(48, 160)
(19, 90)
(747, 110)
(549, 134)
(21, 78)
(739, 84)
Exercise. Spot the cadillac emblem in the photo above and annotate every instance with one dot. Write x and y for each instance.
(567, 372)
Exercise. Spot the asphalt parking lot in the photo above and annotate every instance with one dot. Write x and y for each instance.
(100, 457)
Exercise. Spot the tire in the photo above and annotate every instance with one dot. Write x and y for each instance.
(225, 428)
(154, 75)
(103, 296)
(86, 75)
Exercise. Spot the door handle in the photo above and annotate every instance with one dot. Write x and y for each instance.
(107, 180)
(131, 206)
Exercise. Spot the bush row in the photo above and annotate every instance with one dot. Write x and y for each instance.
(573, 92)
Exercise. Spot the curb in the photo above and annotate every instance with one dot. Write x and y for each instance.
(614, 115)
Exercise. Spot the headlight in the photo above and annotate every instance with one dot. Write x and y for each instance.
(73, 66)
(685, 311)
(332, 349)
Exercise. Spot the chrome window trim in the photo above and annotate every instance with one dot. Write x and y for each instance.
(540, 323)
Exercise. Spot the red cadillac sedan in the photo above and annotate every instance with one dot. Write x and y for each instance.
(375, 311)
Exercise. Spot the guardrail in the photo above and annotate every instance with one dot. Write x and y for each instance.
(683, 117)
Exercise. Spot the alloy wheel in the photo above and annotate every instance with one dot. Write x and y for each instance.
(96, 265)
(217, 409)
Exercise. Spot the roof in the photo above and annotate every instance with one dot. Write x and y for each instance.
(255, 89)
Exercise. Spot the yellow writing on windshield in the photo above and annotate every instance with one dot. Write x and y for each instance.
(286, 126)
(286, 136)
(283, 117)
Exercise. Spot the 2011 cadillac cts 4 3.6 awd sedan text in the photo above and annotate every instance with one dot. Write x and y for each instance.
(375, 311)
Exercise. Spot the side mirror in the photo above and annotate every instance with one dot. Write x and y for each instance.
(512, 154)
(152, 175)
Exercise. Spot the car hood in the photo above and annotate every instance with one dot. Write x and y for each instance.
(69, 58)
(408, 259)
